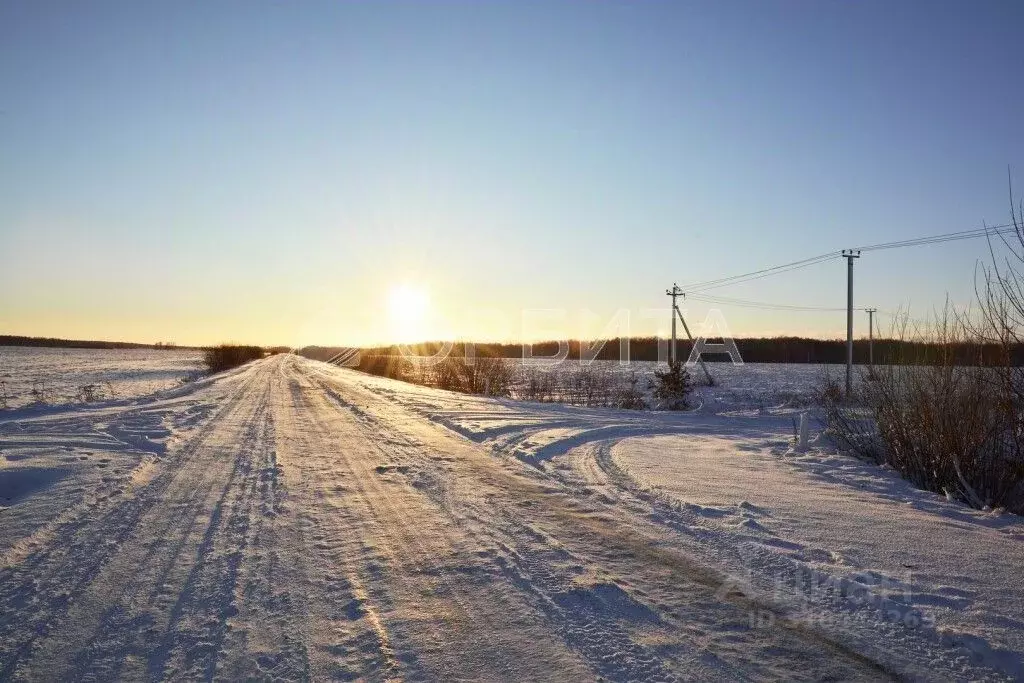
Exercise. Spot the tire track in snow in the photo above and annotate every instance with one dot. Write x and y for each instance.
(117, 622)
(228, 579)
(544, 569)
(36, 592)
(442, 598)
(348, 639)
(530, 564)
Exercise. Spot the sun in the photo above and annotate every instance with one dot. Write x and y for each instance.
(408, 306)
(408, 302)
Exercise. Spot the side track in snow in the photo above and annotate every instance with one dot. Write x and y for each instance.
(311, 526)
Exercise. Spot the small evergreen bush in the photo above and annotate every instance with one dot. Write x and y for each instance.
(672, 387)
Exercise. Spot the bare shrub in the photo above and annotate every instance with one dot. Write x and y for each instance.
(41, 393)
(948, 416)
(395, 367)
(628, 394)
(944, 431)
(588, 385)
(538, 384)
(851, 421)
(277, 350)
(228, 356)
(582, 385)
(942, 415)
(576, 384)
(497, 375)
(87, 393)
(487, 375)
(447, 374)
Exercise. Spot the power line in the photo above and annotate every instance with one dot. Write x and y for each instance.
(696, 291)
(768, 306)
(904, 317)
(1006, 228)
(745, 303)
(1003, 229)
(764, 272)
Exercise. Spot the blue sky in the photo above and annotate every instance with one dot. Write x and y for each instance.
(271, 172)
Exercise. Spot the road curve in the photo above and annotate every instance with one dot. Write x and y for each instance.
(311, 529)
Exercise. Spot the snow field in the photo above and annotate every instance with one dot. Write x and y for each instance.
(58, 376)
(291, 520)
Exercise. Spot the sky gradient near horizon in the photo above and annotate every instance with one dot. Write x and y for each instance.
(304, 172)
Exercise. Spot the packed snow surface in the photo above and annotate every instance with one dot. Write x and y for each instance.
(292, 520)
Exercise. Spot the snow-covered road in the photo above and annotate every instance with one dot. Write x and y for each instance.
(297, 521)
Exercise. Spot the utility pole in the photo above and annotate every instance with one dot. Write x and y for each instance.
(871, 341)
(849, 255)
(674, 292)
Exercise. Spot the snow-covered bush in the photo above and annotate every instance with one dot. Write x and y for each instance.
(672, 387)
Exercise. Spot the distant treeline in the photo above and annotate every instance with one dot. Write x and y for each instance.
(51, 342)
(753, 350)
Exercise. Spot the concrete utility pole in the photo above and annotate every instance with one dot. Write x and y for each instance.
(849, 255)
(674, 292)
(871, 341)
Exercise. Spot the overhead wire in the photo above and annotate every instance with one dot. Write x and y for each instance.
(1005, 228)
(744, 303)
(986, 231)
(764, 272)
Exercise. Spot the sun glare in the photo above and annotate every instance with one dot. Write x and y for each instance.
(408, 306)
